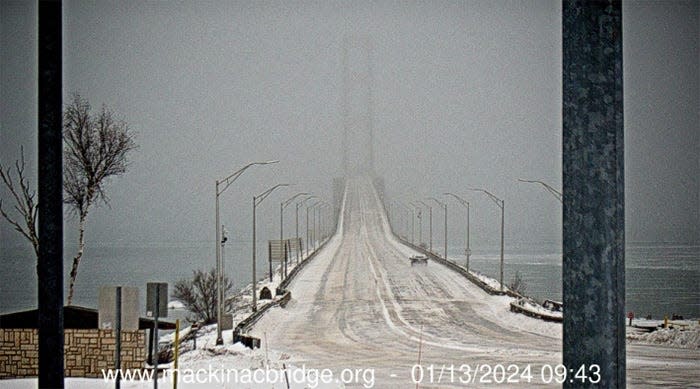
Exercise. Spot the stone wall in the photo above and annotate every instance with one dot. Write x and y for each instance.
(87, 352)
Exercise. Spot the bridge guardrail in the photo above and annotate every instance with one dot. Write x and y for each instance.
(459, 269)
(239, 333)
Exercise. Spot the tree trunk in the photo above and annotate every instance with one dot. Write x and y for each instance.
(76, 259)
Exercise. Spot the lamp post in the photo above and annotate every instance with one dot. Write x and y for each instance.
(316, 222)
(256, 201)
(296, 206)
(549, 189)
(430, 225)
(465, 203)
(284, 205)
(501, 204)
(219, 263)
(410, 211)
(308, 241)
(413, 222)
(420, 221)
(444, 208)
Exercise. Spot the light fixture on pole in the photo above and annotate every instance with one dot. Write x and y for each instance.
(308, 241)
(430, 224)
(465, 203)
(501, 204)
(411, 211)
(256, 201)
(420, 221)
(296, 206)
(219, 263)
(284, 205)
(444, 208)
(549, 189)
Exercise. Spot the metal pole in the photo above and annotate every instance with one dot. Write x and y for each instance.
(219, 337)
(413, 225)
(222, 293)
(315, 237)
(176, 356)
(502, 220)
(430, 212)
(50, 191)
(255, 301)
(281, 221)
(307, 231)
(445, 207)
(155, 338)
(118, 337)
(219, 265)
(420, 227)
(593, 271)
(469, 250)
(297, 229)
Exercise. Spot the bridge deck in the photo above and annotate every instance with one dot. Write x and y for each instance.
(360, 304)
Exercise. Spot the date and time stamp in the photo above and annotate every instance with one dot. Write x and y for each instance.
(485, 374)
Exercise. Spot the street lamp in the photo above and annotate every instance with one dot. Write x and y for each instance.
(256, 201)
(501, 204)
(308, 241)
(430, 224)
(219, 263)
(420, 221)
(413, 228)
(465, 203)
(549, 189)
(444, 208)
(284, 205)
(296, 206)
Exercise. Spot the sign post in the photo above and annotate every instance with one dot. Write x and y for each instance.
(118, 336)
(156, 306)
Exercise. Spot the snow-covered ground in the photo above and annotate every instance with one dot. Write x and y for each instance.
(362, 311)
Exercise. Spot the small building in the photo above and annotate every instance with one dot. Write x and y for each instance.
(87, 349)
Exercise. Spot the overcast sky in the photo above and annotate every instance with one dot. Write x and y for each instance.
(464, 94)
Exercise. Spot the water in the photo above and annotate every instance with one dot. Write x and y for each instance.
(127, 266)
(661, 279)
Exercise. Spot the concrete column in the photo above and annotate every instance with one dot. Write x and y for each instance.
(593, 192)
(50, 177)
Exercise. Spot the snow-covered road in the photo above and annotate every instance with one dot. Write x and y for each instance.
(361, 305)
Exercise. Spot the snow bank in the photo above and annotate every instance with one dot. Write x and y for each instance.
(685, 334)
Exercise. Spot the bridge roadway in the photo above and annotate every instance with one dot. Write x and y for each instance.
(360, 304)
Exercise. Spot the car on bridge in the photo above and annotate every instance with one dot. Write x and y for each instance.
(418, 260)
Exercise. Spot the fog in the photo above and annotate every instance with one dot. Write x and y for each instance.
(464, 94)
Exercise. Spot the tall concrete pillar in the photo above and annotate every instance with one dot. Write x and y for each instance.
(593, 193)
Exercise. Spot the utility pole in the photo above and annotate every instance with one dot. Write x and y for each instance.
(219, 263)
(50, 195)
(465, 203)
(444, 208)
(256, 201)
(501, 204)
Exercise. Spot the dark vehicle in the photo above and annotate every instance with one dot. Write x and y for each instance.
(419, 260)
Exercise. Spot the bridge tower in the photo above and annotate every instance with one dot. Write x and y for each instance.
(358, 114)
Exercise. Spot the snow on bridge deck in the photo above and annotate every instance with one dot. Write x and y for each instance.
(360, 304)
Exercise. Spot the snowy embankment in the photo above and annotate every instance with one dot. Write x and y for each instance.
(680, 334)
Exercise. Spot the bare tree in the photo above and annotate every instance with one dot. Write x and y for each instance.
(25, 204)
(517, 284)
(95, 149)
(198, 294)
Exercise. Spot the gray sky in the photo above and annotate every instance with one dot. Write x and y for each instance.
(465, 94)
